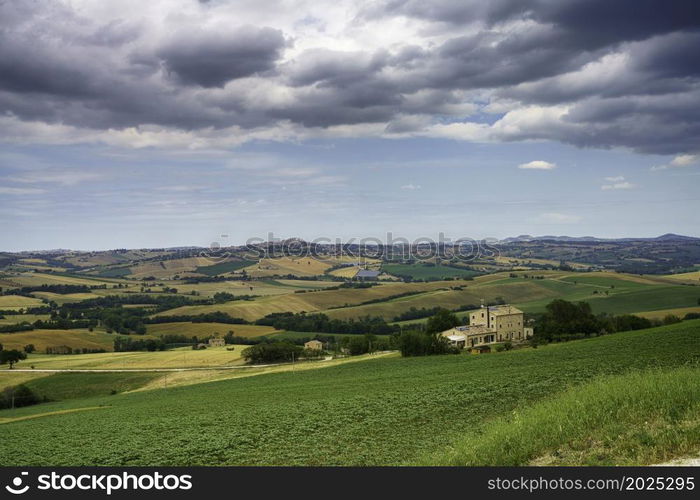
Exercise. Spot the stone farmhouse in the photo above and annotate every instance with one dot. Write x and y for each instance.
(489, 325)
(216, 342)
(315, 345)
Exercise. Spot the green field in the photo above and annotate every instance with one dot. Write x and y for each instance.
(224, 267)
(643, 417)
(383, 411)
(64, 386)
(427, 272)
(77, 338)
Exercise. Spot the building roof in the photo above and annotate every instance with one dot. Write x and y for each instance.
(500, 310)
(467, 330)
(367, 273)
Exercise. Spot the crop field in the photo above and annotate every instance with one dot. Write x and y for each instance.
(344, 272)
(37, 279)
(63, 386)
(310, 301)
(650, 299)
(16, 302)
(234, 287)
(53, 338)
(423, 271)
(61, 298)
(606, 292)
(378, 412)
(224, 267)
(692, 277)
(602, 422)
(206, 329)
(173, 358)
(114, 272)
(305, 266)
(662, 313)
(280, 334)
(168, 268)
(513, 291)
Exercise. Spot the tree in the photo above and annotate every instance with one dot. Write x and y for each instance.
(29, 348)
(563, 318)
(12, 356)
(441, 321)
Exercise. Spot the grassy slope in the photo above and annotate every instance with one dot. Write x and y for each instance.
(378, 412)
(63, 386)
(15, 302)
(205, 329)
(173, 358)
(45, 338)
(639, 418)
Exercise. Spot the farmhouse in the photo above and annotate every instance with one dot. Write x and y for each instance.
(314, 345)
(216, 342)
(488, 325)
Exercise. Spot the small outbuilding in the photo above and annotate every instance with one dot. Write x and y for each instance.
(314, 345)
(367, 274)
(480, 349)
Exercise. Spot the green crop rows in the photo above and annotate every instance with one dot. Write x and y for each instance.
(385, 411)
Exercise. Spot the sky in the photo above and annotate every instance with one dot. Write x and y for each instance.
(131, 124)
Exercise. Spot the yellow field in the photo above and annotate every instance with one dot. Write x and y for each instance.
(680, 312)
(305, 266)
(310, 301)
(65, 298)
(183, 357)
(345, 272)
(15, 302)
(33, 261)
(688, 277)
(197, 377)
(52, 338)
(9, 378)
(37, 279)
(234, 287)
(206, 329)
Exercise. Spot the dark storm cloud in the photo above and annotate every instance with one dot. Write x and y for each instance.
(212, 59)
(628, 71)
(587, 24)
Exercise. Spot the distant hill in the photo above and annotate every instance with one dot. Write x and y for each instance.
(663, 237)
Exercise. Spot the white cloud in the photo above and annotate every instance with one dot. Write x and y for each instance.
(684, 160)
(679, 161)
(617, 185)
(410, 187)
(618, 182)
(538, 165)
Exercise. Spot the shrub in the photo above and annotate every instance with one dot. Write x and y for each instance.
(18, 396)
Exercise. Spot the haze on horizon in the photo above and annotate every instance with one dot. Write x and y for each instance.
(169, 123)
